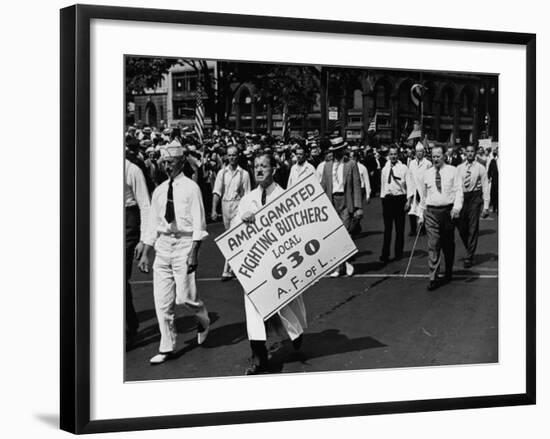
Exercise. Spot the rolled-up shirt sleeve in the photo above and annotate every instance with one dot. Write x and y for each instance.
(150, 234)
(485, 187)
(198, 216)
(141, 194)
(457, 189)
(218, 183)
(246, 182)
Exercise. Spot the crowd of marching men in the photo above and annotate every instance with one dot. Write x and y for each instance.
(234, 174)
(206, 158)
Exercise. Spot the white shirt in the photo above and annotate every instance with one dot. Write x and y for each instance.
(231, 185)
(451, 188)
(364, 176)
(319, 171)
(337, 176)
(252, 201)
(136, 192)
(188, 208)
(478, 180)
(297, 172)
(417, 168)
(398, 184)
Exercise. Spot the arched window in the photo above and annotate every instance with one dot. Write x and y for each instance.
(447, 99)
(245, 102)
(382, 95)
(428, 98)
(357, 99)
(466, 102)
(405, 102)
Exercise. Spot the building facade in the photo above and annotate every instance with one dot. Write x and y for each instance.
(455, 107)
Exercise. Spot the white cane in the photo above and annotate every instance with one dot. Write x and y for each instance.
(414, 246)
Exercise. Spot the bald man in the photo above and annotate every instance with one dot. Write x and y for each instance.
(417, 167)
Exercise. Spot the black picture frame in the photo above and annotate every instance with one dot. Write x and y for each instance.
(75, 217)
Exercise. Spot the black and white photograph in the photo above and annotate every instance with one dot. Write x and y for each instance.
(297, 218)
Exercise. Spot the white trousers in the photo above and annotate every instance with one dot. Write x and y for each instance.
(292, 318)
(173, 286)
(229, 215)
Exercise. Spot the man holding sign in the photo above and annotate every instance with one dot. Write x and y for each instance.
(292, 317)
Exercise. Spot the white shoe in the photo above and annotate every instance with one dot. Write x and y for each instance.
(159, 359)
(349, 269)
(201, 336)
(335, 273)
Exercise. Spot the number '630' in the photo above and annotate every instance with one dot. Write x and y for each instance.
(310, 248)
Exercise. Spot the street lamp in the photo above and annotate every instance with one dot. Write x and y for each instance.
(483, 92)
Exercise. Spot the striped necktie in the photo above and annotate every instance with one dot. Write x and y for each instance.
(437, 180)
(335, 172)
(468, 177)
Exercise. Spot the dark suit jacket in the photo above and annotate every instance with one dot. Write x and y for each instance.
(352, 184)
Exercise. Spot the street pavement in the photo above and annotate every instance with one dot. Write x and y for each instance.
(375, 319)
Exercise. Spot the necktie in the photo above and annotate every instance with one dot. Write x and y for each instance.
(264, 196)
(438, 180)
(170, 215)
(468, 177)
(335, 172)
(392, 175)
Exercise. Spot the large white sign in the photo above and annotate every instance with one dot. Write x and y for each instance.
(296, 239)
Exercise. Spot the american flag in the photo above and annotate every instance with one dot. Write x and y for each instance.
(372, 125)
(286, 124)
(199, 113)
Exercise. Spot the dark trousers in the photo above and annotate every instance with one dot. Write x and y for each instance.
(440, 228)
(468, 223)
(339, 203)
(494, 195)
(393, 211)
(133, 223)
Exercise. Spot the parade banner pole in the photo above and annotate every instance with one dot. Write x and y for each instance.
(412, 251)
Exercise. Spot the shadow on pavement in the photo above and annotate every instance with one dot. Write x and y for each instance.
(151, 334)
(418, 253)
(368, 233)
(366, 267)
(320, 344)
(226, 335)
(485, 257)
(487, 232)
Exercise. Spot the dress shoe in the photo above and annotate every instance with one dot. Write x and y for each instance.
(412, 233)
(161, 358)
(432, 285)
(225, 278)
(467, 264)
(202, 333)
(335, 273)
(349, 269)
(256, 368)
(297, 343)
(384, 259)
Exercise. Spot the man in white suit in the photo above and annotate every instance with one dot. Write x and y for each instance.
(292, 317)
(417, 167)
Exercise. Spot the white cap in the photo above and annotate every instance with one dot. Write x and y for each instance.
(419, 147)
(173, 149)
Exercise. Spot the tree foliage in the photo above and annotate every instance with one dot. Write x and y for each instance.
(145, 73)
